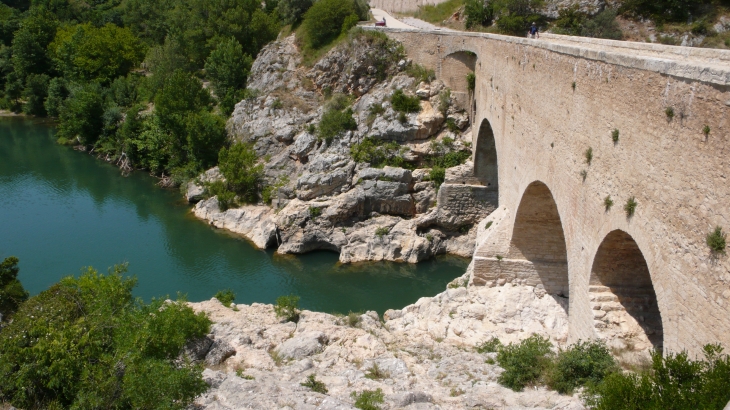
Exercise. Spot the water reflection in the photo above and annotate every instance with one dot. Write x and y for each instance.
(61, 210)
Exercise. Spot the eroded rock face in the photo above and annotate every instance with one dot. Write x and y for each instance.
(424, 353)
(323, 199)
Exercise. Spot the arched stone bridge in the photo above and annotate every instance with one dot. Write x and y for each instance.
(656, 121)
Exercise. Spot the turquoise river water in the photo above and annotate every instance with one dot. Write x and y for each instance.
(61, 210)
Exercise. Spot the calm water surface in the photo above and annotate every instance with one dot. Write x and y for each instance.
(61, 210)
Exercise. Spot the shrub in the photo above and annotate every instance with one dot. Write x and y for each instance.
(12, 293)
(287, 307)
(277, 104)
(421, 73)
(589, 155)
(630, 207)
(226, 297)
(315, 385)
(581, 364)
(608, 202)
(490, 346)
(716, 240)
(437, 175)
(478, 13)
(706, 130)
(292, 11)
(471, 81)
(524, 363)
(402, 118)
(243, 175)
(382, 231)
(376, 373)
(368, 399)
(36, 91)
(335, 122)
(323, 22)
(603, 25)
(673, 382)
(405, 104)
(614, 135)
(81, 115)
(314, 212)
(226, 198)
(445, 101)
(379, 153)
(669, 111)
(353, 318)
(87, 342)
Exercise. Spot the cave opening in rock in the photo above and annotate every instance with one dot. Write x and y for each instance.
(622, 295)
(539, 241)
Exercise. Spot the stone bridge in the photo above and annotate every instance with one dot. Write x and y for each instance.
(566, 132)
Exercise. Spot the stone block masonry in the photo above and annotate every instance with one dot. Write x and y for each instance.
(546, 102)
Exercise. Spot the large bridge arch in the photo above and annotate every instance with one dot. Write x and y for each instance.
(622, 296)
(486, 165)
(539, 240)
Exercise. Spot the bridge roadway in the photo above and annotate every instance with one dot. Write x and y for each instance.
(639, 281)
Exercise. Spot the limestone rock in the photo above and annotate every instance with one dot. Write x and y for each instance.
(254, 222)
(303, 345)
(219, 352)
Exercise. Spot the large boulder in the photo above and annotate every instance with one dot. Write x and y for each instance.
(302, 345)
(253, 221)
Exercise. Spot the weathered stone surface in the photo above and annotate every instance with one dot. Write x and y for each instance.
(219, 352)
(197, 349)
(424, 353)
(254, 222)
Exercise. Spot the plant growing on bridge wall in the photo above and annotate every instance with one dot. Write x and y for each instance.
(589, 155)
(630, 207)
(706, 130)
(716, 240)
(608, 202)
(614, 135)
(669, 111)
(471, 82)
(573, 86)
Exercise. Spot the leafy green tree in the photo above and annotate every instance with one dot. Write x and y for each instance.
(243, 175)
(148, 19)
(292, 11)
(323, 21)
(515, 16)
(664, 10)
(180, 95)
(163, 61)
(87, 343)
(12, 293)
(9, 23)
(206, 135)
(80, 117)
(478, 13)
(36, 32)
(35, 93)
(228, 69)
(84, 52)
(57, 94)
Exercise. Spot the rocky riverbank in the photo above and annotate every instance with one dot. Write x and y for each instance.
(422, 357)
(324, 195)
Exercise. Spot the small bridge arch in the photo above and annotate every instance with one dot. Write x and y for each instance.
(455, 67)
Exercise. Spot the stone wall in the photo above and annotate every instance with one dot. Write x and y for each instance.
(548, 101)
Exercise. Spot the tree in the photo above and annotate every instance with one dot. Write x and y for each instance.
(228, 67)
(180, 95)
(238, 166)
(12, 293)
(478, 13)
(323, 21)
(36, 90)
(87, 343)
(206, 134)
(57, 94)
(292, 11)
(81, 115)
(84, 52)
(36, 32)
(515, 16)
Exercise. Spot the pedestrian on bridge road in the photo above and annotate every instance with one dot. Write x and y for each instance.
(534, 31)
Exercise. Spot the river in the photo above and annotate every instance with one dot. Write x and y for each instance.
(61, 210)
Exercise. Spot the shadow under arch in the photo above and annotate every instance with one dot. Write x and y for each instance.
(622, 295)
(538, 239)
(486, 168)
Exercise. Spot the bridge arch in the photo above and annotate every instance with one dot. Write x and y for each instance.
(454, 69)
(622, 296)
(539, 240)
(486, 168)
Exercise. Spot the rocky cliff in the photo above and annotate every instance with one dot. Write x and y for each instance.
(339, 193)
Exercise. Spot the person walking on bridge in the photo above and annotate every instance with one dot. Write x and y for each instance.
(534, 31)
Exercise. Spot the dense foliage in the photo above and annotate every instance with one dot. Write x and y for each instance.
(583, 363)
(674, 382)
(87, 343)
(124, 78)
(12, 293)
(572, 21)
